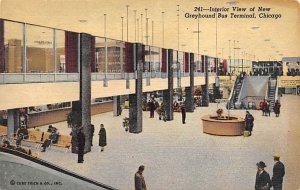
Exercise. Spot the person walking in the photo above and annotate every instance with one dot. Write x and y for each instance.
(92, 133)
(278, 173)
(183, 114)
(102, 137)
(249, 119)
(81, 144)
(267, 109)
(262, 180)
(277, 108)
(139, 180)
(152, 108)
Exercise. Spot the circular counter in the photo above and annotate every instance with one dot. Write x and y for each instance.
(224, 126)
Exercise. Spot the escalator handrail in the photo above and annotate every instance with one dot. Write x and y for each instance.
(54, 167)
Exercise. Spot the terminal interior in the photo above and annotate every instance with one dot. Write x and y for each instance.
(102, 63)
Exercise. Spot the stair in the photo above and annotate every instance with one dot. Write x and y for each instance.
(236, 91)
(271, 93)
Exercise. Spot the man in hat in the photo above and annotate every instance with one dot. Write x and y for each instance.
(278, 173)
(139, 180)
(262, 177)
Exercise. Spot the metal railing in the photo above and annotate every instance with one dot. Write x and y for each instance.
(19, 78)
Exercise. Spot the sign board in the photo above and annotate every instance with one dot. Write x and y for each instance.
(289, 81)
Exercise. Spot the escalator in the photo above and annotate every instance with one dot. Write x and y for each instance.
(272, 92)
(21, 171)
(235, 92)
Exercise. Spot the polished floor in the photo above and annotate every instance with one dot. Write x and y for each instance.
(181, 157)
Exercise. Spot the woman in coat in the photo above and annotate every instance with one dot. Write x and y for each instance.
(277, 108)
(249, 119)
(102, 137)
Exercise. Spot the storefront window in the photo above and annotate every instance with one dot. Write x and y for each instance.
(13, 42)
(39, 49)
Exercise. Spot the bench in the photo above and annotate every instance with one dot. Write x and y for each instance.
(63, 141)
(3, 131)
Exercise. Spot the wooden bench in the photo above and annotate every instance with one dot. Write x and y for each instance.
(63, 141)
(34, 136)
(3, 131)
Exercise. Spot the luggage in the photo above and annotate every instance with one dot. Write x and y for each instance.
(246, 133)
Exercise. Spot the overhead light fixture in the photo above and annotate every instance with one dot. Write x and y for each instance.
(255, 27)
(196, 31)
(82, 21)
(232, 3)
(267, 40)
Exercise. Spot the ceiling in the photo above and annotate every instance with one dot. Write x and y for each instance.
(259, 38)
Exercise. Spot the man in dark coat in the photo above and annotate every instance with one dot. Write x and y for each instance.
(277, 108)
(102, 137)
(81, 144)
(139, 180)
(278, 173)
(263, 180)
(92, 133)
(151, 106)
(183, 114)
(249, 119)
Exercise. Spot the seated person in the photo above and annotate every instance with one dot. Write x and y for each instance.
(22, 133)
(6, 144)
(53, 138)
(51, 129)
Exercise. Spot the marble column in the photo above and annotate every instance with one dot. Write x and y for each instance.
(169, 93)
(116, 105)
(205, 94)
(12, 121)
(135, 100)
(189, 91)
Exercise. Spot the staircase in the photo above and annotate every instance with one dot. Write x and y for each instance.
(236, 91)
(271, 92)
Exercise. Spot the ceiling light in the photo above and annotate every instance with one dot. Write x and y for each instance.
(232, 3)
(255, 27)
(82, 21)
(196, 31)
(267, 40)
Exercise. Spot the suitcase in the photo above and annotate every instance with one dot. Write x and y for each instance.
(246, 133)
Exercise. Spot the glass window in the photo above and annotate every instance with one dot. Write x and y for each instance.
(39, 49)
(197, 60)
(175, 62)
(181, 61)
(13, 41)
(147, 58)
(156, 59)
(60, 51)
(100, 55)
(114, 59)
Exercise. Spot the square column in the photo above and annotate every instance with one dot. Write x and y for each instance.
(135, 100)
(81, 110)
(13, 121)
(169, 93)
(117, 105)
(205, 94)
(189, 91)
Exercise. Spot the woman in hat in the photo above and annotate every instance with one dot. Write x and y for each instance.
(263, 180)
